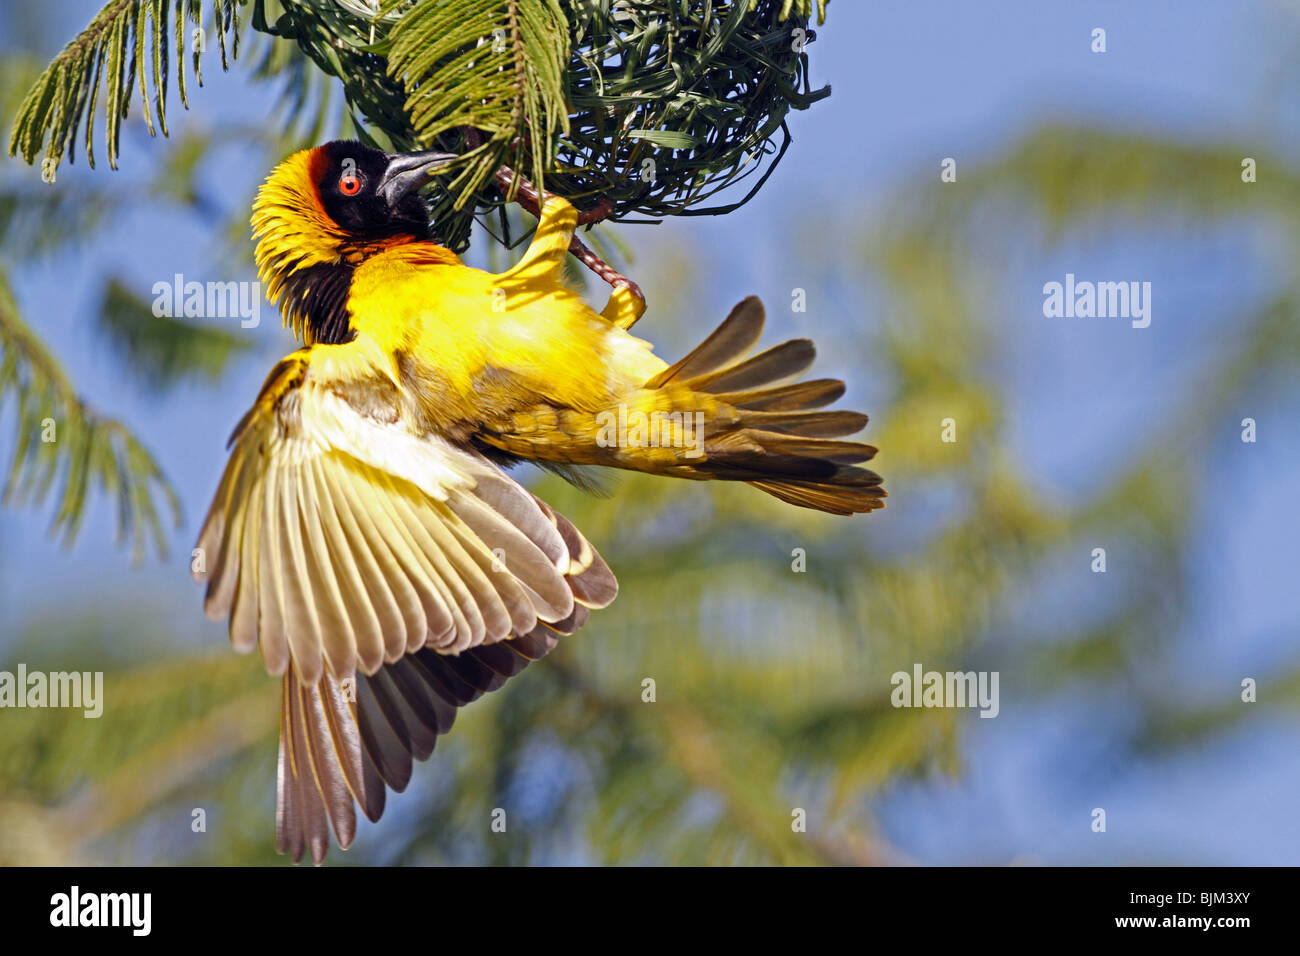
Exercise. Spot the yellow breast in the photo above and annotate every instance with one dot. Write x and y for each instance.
(482, 335)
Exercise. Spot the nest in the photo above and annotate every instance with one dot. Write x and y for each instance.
(669, 102)
(673, 102)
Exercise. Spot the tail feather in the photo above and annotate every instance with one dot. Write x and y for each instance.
(779, 362)
(833, 500)
(773, 435)
(738, 333)
(777, 452)
(799, 396)
(715, 414)
(833, 424)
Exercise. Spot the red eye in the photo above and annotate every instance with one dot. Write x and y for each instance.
(349, 185)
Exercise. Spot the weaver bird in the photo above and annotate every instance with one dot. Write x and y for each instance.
(365, 535)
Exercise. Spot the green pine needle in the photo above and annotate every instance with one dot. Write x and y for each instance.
(494, 66)
(124, 47)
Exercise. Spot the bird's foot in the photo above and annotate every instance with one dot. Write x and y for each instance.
(532, 199)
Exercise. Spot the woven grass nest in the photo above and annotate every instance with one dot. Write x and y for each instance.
(700, 90)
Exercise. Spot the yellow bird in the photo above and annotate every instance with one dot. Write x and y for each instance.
(365, 535)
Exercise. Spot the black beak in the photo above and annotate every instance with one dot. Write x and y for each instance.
(407, 172)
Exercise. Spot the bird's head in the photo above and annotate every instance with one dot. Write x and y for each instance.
(324, 210)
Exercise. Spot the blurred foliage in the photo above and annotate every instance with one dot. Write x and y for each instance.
(164, 349)
(59, 440)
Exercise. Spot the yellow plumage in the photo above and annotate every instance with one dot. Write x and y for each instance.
(364, 536)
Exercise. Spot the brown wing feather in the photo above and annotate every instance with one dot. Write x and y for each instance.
(354, 750)
(390, 576)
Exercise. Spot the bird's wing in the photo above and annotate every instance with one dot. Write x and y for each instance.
(343, 742)
(342, 540)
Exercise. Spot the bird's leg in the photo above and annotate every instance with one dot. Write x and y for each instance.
(557, 221)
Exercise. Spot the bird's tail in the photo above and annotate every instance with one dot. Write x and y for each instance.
(722, 414)
(775, 436)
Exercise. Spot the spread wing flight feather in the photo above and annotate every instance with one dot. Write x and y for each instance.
(389, 576)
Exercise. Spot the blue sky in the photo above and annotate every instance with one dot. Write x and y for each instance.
(913, 82)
